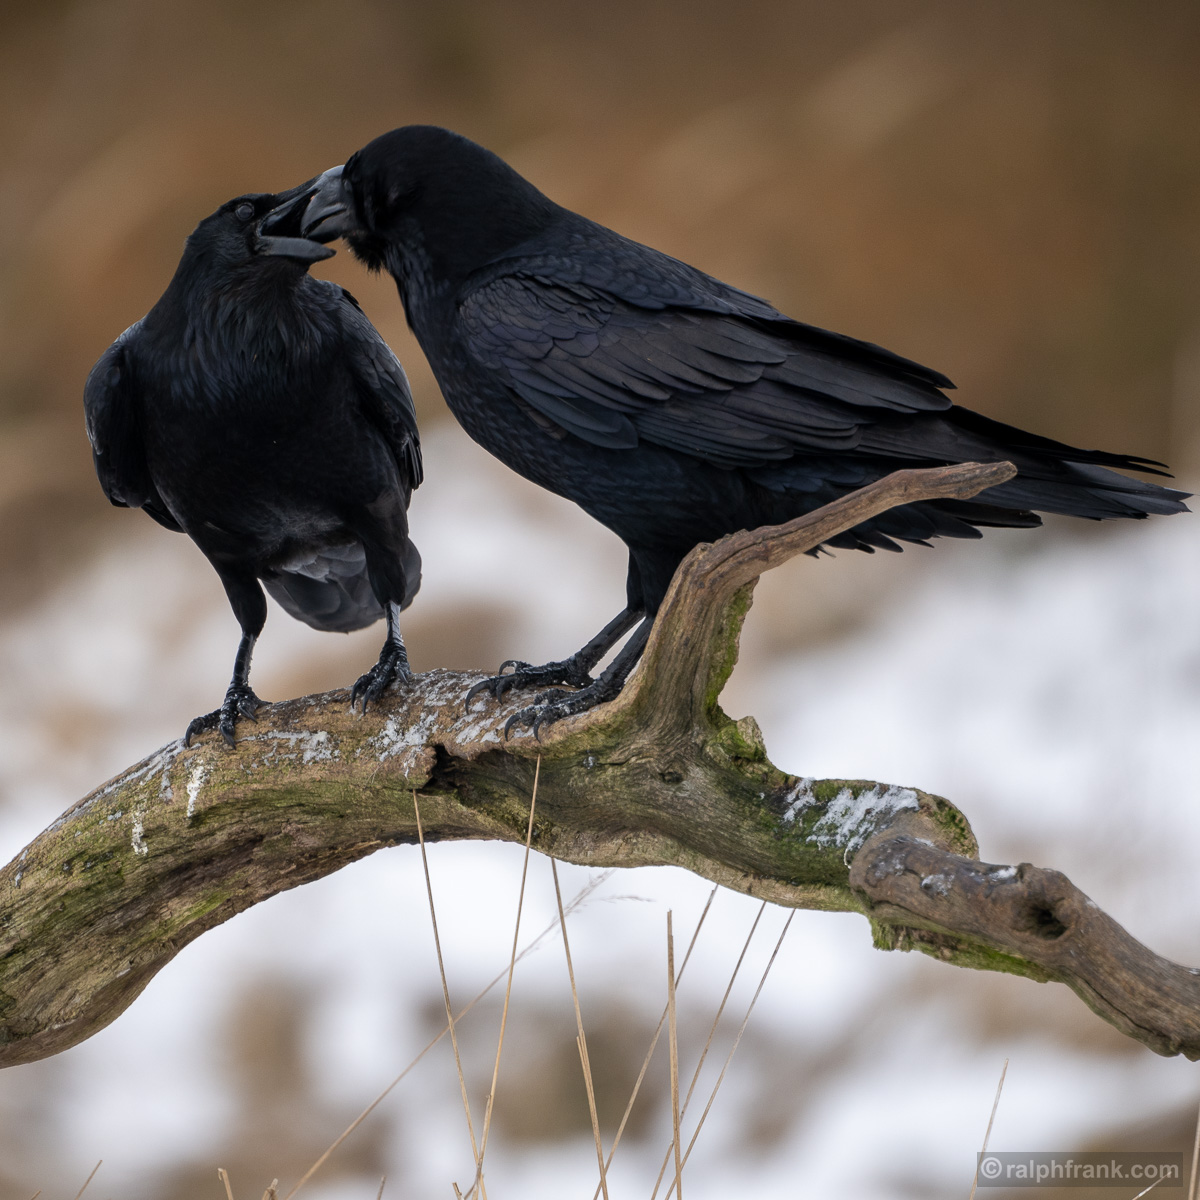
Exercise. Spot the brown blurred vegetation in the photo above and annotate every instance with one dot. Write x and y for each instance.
(1006, 190)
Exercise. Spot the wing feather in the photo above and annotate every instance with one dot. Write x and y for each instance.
(610, 367)
(113, 427)
(383, 390)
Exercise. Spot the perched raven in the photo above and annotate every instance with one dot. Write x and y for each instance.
(670, 406)
(257, 410)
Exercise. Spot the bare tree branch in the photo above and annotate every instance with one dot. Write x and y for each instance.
(114, 888)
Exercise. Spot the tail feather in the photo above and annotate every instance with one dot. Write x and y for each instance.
(1036, 446)
(1095, 493)
(1051, 476)
(330, 589)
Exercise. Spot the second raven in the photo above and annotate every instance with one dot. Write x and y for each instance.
(670, 406)
(257, 410)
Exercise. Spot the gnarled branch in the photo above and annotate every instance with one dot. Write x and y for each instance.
(114, 888)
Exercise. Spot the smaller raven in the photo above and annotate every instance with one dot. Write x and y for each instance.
(257, 410)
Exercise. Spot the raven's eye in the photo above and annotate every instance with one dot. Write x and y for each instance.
(244, 212)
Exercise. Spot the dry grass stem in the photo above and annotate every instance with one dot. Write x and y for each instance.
(711, 1034)
(581, 1037)
(87, 1180)
(223, 1176)
(579, 898)
(1195, 1160)
(36, 1194)
(662, 1020)
(437, 942)
(512, 963)
(988, 1132)
(673, 1042)
(1147, 1191)
(733, 1048)
(382, 1182)
(586, 1063)
(721, 1007)
(272, 1192)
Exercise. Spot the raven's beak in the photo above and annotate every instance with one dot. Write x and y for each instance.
(330, 211)
(278, 230)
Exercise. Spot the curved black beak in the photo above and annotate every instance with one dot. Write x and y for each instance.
(279, 231)
(330, 210)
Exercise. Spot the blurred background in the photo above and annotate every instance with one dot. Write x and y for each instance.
(1006, 191)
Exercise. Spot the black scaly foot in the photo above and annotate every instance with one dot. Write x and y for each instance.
(571, 672)
(392, 665)
(553, 706)
(240, 701)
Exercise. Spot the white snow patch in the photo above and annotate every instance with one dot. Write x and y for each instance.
(195, 783)
(318, 747)
(138, 841)
(798, 799)
(1002, 874)
(939, 885)
(850, 819)
(309, 747)
(392, 740)
(482, 729)
(164, 758)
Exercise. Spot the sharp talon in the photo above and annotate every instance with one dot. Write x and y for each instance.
(392, 665)
(552, 706)
(522, 675)
(239, 701)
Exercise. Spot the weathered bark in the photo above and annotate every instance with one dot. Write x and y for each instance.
(114, 888)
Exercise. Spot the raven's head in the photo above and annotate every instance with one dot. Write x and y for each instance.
(235, 233)
(421, 189)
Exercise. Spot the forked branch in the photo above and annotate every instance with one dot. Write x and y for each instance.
(122, 881)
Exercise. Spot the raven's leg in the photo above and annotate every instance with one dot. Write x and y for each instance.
(394, 570)
(392, 664)
(250, 607)
(574, 671)
(553, 706)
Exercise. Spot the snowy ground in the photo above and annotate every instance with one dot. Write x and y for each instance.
(1050, 687)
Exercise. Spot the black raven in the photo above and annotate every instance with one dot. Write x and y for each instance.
(257, 410)
(670, 406)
